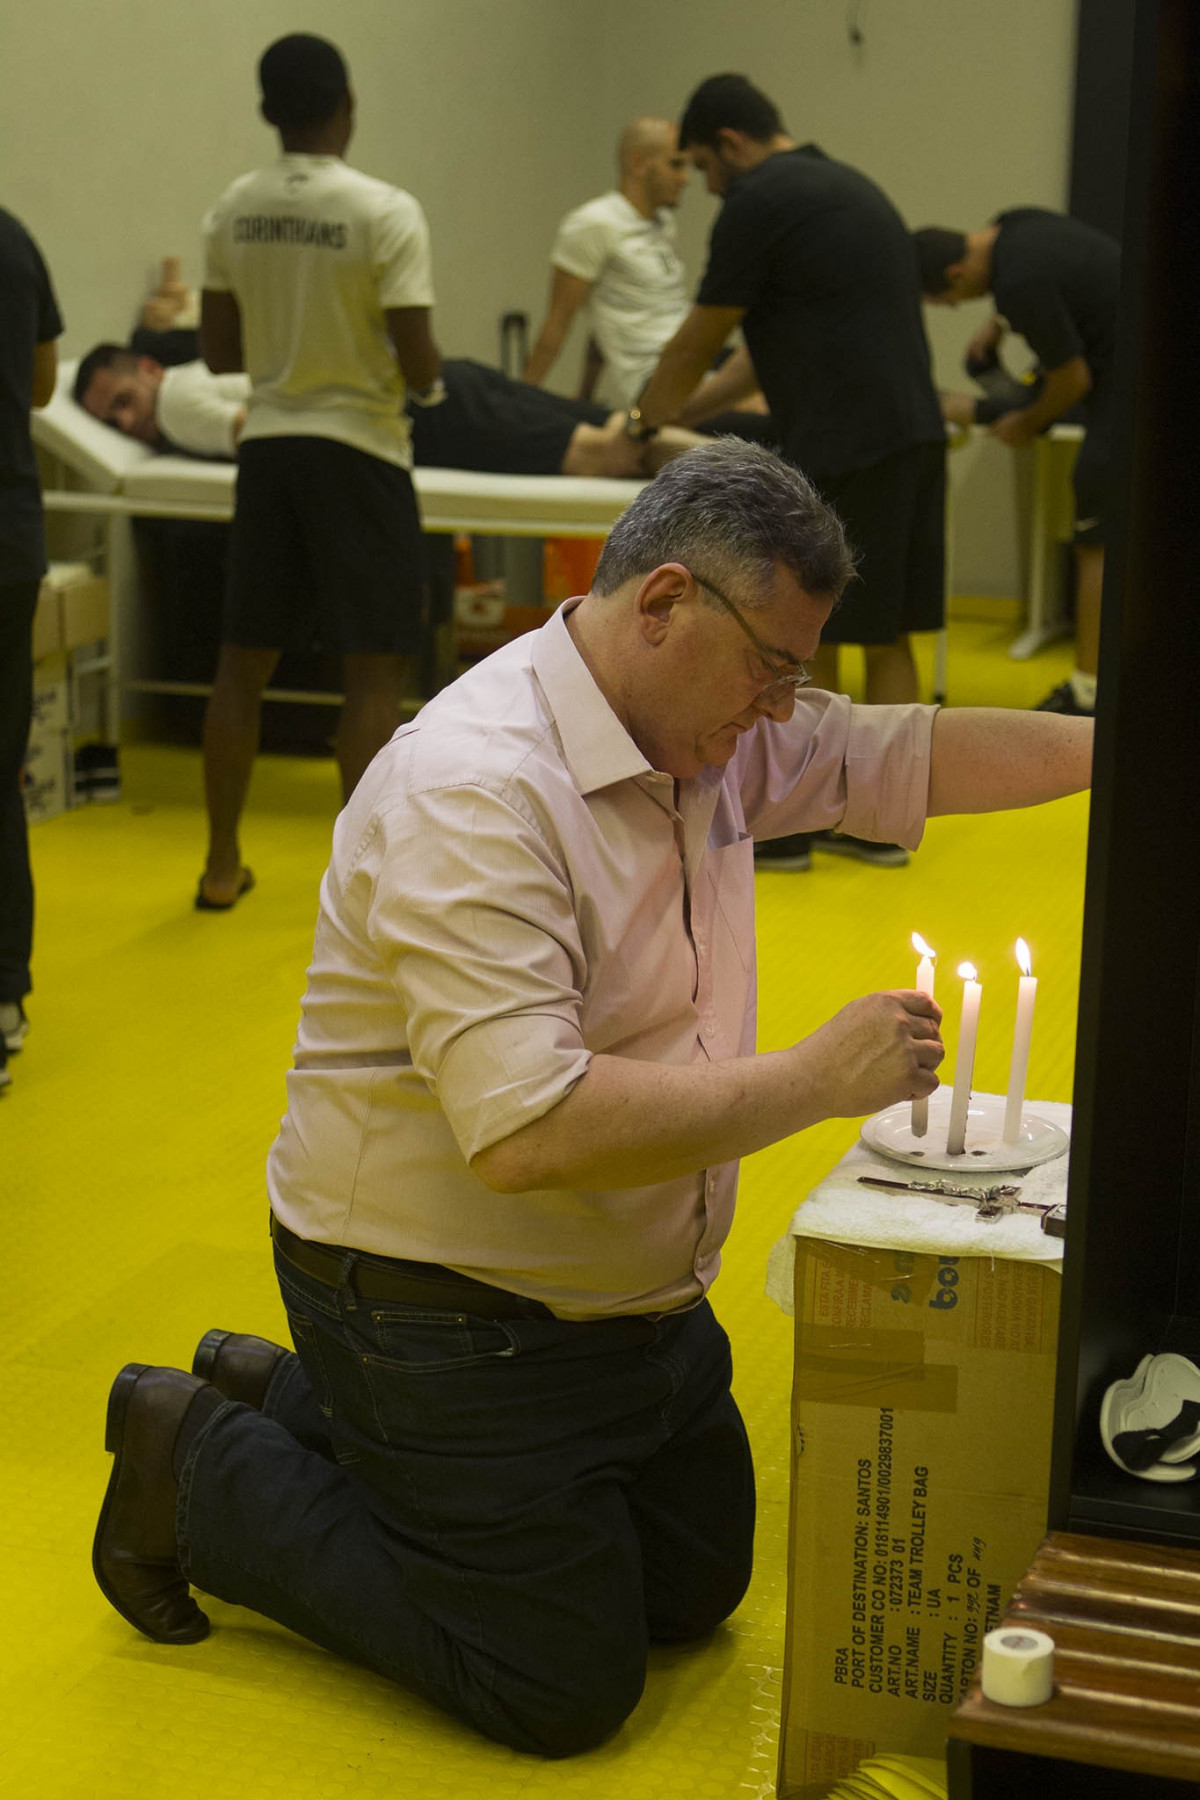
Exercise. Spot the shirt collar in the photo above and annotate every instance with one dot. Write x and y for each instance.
(596, 746)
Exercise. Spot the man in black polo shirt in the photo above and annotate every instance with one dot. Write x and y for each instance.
(816, 265)
(29, 327)
(1055, 281)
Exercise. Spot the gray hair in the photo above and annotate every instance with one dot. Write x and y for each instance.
(736, 508)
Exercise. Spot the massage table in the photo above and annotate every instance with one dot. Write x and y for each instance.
(96, 471)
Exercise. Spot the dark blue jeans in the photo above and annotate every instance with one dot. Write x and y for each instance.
(499, 1513)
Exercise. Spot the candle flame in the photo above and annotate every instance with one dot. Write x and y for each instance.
(968, 972)
(920, 946)
(1024, 960)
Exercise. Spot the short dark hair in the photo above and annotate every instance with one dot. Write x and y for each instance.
(938, 249)
(104, 356)
(731, 103)
(303, 80)
(737, 508)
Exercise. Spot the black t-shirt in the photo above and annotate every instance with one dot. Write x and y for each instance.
(824, 266)
(28, 316)
(1057, 282)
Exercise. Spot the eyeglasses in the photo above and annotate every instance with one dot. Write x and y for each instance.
(784, 674)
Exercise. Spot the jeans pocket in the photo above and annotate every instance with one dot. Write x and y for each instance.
(417, 1342)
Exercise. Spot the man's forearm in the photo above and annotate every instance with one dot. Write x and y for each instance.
(680, 371)
(1061, 389)
(411, 334)
(542, 358)
(988, 759)
(221, 332)
(632, 1124)
(685, 360)
(735, 380)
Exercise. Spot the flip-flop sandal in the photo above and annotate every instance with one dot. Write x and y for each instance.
(202, 902)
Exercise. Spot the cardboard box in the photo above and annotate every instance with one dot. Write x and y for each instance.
(47, 777)
(921, 1417)
(84, 612)
(47, 627)
(72, 609)
(51, 694)
(484, 621)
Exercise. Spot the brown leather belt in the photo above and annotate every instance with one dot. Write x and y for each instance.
(408, 1283)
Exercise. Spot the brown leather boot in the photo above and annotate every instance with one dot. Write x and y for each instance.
(240, 1365)
(153, 1418)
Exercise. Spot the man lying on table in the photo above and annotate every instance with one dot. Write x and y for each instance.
(486, 421)
(505, 1457)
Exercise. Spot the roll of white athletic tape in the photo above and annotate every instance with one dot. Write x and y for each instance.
(1018, 1666)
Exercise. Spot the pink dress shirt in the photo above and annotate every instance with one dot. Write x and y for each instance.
(513, 889)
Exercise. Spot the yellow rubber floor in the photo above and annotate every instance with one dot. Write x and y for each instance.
(131, 1164)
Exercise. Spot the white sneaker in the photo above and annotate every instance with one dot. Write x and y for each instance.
(13, 1024)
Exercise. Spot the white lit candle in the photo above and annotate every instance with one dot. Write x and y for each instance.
(964, 1064)
(919, 1124)
(1026, 995)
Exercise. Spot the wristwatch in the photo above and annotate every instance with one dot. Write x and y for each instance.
(637, 428)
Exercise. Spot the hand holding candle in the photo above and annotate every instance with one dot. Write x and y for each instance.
(964, 1065)
(1026, 995)
(919, 1123)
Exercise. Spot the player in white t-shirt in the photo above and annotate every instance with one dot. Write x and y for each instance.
(318, 283)
(181, 407)
(617, 257)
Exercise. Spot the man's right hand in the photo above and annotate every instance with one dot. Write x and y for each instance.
(877, 1051)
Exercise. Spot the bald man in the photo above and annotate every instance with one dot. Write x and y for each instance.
(617, 257)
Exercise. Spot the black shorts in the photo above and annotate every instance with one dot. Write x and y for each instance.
(1090, 484)
(325, 551)
(895, 518)
(490, 422)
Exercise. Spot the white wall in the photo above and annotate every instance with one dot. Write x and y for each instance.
(121, 120)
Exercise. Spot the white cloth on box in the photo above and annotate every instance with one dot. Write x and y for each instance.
(842, 1212)
(61, 575)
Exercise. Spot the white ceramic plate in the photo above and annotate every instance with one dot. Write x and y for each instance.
(890, 1133)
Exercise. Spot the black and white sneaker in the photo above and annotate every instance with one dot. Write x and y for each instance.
(1062, 700)
(840, 843)
(97, 772)
(786, 855)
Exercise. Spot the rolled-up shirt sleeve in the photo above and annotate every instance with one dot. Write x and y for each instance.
(863, 770)
(475, 922)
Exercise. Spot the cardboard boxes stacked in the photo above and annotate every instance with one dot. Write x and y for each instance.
(72, 611)
(921, 1422)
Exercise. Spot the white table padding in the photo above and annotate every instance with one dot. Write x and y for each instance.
(841, 1212)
